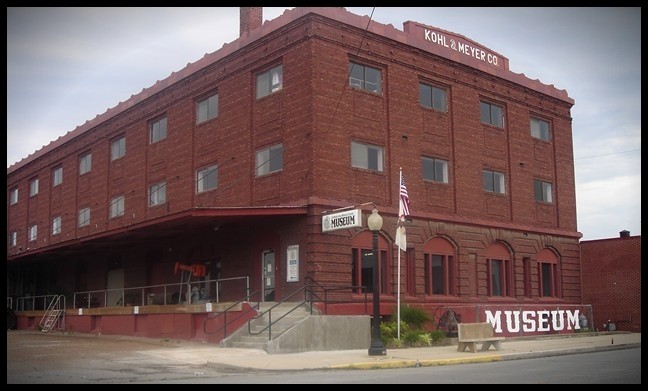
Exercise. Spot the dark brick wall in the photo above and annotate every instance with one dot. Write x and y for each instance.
(611, 274)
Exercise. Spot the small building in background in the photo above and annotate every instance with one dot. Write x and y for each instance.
(611, 278)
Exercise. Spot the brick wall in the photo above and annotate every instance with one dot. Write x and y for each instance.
(315, 116)
(611, 274)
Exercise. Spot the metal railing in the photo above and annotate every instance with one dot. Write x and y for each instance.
(226, 311)
(308, 298)
(34, 303)
(327, 289)
(311, 296)
(163, 294)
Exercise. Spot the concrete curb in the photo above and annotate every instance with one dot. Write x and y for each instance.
(413, 363)
(481, 359)
(420, 363)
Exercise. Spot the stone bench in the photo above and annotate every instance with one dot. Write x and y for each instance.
(470, 334)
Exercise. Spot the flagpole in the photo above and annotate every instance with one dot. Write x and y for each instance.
(400, 179)
(399, 292)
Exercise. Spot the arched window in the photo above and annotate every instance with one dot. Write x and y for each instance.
(548, 274)
(499, 270)
(440, 267)
(362, 263)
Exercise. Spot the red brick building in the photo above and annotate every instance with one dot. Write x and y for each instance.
(232, 162)
(611, 275)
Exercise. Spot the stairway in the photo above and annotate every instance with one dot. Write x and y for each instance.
(258, 336)
(55, 310)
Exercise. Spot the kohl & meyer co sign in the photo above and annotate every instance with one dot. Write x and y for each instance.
(341, 220)
(455, 44)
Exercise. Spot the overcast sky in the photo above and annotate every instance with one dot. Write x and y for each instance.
(67, 65)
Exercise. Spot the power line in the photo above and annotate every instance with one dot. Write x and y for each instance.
(608, 154)
(352, 64)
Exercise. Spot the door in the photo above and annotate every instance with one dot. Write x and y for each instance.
(268, 275)
(115, 280)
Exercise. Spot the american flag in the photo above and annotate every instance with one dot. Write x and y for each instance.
(404, 198)
(403, 210)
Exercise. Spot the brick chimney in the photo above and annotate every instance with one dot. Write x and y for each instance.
(251, 18)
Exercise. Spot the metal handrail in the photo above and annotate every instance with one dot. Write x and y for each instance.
(224, 315)
(20, 301)
(309, 295)
(269, 312)
(89, 295)
(332, 288)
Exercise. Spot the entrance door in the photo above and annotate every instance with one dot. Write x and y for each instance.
(115, 280)
(268, 275)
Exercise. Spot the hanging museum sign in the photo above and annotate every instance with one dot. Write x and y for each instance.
(341, 220)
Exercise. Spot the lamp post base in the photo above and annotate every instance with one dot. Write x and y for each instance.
(375, 350)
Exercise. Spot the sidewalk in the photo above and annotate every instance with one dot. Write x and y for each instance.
(30, 354)
(231, 359)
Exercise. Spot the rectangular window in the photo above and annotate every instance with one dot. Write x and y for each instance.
(362, 269)
(207, 179)
(207, 109)
(540, 129)
(365, 77)
(33, 187)
(13, 196)
(13, 238)
(369, 157)
(491, 114)
(117, 206)
(57, 176)
(548, 278)
(269, 82)
(118, 148)
(494, 182)
(542, 191)
(434, 169)
(85, 164)
(499, 277)
(56, 225)
(157, 194)
(438, 283)
(269, 160)
(84, 217)
(439, 274)
(432, 97)
(158, 130)
(33, 233)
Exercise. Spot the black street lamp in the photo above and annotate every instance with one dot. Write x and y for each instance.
(374, 222)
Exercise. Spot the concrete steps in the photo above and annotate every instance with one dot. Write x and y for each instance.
(258, 335)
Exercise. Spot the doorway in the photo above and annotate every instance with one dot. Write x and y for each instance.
(114, 284)
(268, 275)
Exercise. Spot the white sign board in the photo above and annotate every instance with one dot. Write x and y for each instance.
(341, 220)
(292, 256)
